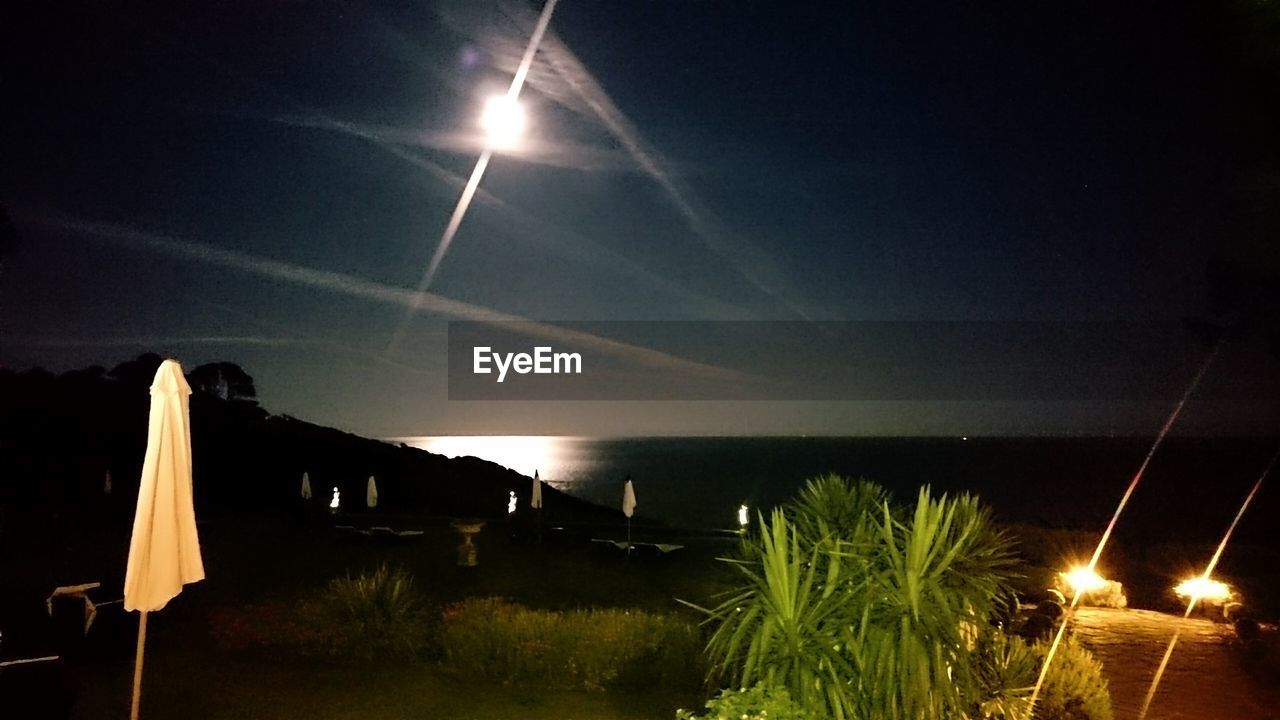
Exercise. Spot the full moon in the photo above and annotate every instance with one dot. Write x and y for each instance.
(503, 121)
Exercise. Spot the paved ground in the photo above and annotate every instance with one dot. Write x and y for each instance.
(1204, 680)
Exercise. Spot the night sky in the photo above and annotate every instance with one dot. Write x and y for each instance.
(265, 182)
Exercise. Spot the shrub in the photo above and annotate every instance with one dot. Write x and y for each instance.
(785, 625)
(373, 615)
(591, 649)
(830, 506)
(861, 612)
(1074, 688)
(762, 702)
(1006, 669)
(1259, 648)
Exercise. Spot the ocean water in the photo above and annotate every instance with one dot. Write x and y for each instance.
(1190, 491)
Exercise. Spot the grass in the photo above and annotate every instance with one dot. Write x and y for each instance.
(190, 674)
(263, 689)
(591, 649)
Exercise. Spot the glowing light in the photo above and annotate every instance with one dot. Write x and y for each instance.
(1203, 588)
(526, 454)
(742, 516)
(333, 504)
(1083, 580)
(511, 503)
(503, 121)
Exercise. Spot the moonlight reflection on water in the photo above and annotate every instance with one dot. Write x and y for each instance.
(563, 462)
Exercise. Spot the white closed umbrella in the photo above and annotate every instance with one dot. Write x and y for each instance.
(371, 493)
(629, 507)
(536, 501)
(629, 499)
(306, 486)
(164, 551)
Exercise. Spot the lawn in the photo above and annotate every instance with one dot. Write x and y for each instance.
(190, 674)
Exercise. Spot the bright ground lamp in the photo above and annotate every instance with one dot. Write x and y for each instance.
(1083, 580)
(1197, 589)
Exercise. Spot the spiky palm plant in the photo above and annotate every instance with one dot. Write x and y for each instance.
(860, 614)
(380, 610)
(783, 625)
(1005, 668)
(829, 505)
(940, 572)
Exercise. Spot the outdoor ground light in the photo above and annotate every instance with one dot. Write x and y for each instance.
(1203, 588)
(333, 504)
(511, 503)
(1083, 579)
(743, 520)
(1082, 585)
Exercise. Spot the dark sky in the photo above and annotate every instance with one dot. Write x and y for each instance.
(265, 182)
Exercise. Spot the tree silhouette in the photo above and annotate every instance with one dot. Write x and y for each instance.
(139, 372)
(224, 380)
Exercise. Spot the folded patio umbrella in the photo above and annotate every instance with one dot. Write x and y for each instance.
(164, 551)
(629, 499)
(628, 506)
(371, 493)
(536, 501)
(306, 486)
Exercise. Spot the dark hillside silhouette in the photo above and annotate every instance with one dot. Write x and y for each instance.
(60, 435)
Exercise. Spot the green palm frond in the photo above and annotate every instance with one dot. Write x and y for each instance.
(863, 611)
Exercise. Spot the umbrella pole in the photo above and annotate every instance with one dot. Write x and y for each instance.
(137, 665)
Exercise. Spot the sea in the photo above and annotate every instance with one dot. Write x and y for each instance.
(1190, 491)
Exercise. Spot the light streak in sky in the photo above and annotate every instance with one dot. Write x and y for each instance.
(377, 292)
(468, 192)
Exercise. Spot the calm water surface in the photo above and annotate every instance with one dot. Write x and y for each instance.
(1192, 487)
